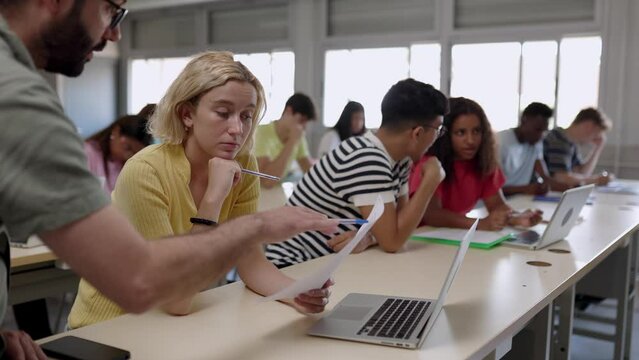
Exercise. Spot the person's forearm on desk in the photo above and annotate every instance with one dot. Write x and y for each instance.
(576, 179)
(264, 278)
(437, 216)
(531, 189)
(223, 174)
(138, 274)
(397, 223)
(541, 169)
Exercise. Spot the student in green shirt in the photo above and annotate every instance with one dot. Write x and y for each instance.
(279, 143)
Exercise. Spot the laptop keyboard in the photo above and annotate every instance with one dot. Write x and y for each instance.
(527, 237)
(396, 318)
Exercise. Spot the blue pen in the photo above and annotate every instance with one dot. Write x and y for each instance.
(353, 221)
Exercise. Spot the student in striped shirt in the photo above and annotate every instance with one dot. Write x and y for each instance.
(346, 181)
(561, 149)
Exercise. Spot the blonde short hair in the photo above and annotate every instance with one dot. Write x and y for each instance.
(206, 71)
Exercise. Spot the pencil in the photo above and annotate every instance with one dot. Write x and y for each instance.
(266, 176)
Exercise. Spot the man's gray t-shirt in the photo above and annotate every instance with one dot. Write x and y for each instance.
(44, 180)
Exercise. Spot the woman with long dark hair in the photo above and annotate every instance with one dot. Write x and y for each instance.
(108, 149)
(468, 155)
(350, 123)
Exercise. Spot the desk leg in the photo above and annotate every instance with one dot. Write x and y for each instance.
(564, 304)
(632, 292)
(614, 278)
(533, 341)
(626, 302)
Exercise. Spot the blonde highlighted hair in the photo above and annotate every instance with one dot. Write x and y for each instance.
(206, 71)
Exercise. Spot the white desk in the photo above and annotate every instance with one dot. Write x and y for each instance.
(34, 275)
(275, 196)
(493, 297)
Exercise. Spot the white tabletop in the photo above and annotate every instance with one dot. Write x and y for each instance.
(494, 294)
(30, 256)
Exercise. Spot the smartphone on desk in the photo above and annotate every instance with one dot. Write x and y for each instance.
(75, 348)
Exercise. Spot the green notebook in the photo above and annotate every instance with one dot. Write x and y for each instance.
(481, 240)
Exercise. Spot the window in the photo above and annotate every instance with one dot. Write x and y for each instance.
(150, 78)
(505, 77)
(489, 74)
(425, 63)
(276, 72)
(579, 63)
(538, 73)
(365, 75)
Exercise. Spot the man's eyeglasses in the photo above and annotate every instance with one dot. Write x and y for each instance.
(118, 16)
(439, 130)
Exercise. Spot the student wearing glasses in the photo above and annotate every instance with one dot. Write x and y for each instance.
(346, 182)
(192, 180)
(47, 189)
(467, 153)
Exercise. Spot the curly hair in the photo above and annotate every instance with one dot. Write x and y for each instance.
(486, 157)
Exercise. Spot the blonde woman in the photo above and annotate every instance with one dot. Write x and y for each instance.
(192, 180)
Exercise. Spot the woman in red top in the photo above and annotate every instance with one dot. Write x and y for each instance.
(468, 155)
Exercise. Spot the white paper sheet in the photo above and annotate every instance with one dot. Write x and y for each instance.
(317, 279)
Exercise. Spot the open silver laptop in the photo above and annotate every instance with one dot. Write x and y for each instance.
(560, 224)
(389, 320)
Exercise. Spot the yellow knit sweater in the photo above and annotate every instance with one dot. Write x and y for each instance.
(152, 191)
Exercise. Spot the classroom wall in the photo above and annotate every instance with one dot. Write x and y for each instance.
(628, 121)
(90, 100)
(619, 89)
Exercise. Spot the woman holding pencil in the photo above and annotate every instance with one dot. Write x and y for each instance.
(195, 179)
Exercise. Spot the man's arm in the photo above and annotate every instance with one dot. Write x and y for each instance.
(533, 189)
(278, 166)
(542, 170)
(138, 274)
(437, 216)
(576, 179)
(305, 163)
(397, 223)
(497, 218)
(588, 167)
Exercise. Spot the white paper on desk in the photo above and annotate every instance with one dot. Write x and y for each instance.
(317, 280)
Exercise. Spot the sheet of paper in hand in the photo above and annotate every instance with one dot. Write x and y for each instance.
(317, 279)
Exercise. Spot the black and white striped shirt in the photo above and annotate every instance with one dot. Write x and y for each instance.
(350, 176)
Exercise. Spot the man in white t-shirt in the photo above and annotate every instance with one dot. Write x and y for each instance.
(521, 154)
